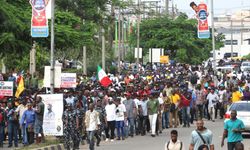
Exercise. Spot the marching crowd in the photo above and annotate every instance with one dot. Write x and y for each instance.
(147, 102)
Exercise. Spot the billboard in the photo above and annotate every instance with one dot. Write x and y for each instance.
(39, 20)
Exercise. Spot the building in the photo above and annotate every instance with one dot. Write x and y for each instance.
(236, 28)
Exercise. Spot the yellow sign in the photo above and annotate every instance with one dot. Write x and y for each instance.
(164, 59)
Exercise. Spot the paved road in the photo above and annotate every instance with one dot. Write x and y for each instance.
(157, 143)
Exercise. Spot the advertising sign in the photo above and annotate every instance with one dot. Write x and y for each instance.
(6, 88)
(203, 29)
(39, 21)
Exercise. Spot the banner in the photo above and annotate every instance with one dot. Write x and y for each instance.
(68, 80)
(140, 52)
(57, 77)
(203, 29)
(6, 88)
(52, 117)
(164, 59)
(39, 21)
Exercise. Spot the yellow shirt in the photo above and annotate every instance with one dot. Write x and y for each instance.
(175, 98)
(236, 96)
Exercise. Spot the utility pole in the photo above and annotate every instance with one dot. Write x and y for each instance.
(241, 31)
(231, 26)
(119, 42)
(173, 13)
(52, 63)
(138, 36)
(33, 59)
(84, 61)
(103, 49)
(213, 38)
(123, 48)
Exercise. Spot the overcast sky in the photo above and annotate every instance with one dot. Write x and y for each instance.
(220, 6)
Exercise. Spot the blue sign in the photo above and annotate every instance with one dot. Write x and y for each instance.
(40, 31)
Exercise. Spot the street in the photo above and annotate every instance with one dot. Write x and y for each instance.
(157, 143)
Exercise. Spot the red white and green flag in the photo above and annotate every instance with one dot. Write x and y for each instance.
(102, 77)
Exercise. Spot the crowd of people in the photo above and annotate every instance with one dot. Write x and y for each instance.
(145, 102)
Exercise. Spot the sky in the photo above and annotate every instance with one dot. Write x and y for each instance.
(220, 6)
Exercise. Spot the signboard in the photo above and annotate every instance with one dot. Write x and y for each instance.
(53, 112)
(6, 88)
(203, 29)
(68, 80)
(164, 59)
(39, 21)
(156, 54)
(57, 77)
(140, 52)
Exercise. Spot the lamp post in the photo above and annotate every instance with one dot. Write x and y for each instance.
(138, 36)
(213, 38)
(52, 63)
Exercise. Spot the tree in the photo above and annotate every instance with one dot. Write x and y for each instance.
(178, 35)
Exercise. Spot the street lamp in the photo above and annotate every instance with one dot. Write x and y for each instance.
(213, 38)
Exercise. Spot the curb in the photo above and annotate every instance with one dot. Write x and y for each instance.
(52, 147)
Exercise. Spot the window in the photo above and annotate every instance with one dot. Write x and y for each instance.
(240, 107)
(228, 42)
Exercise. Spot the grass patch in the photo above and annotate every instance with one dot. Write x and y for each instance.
(48, 141)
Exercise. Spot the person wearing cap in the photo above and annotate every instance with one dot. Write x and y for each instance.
(102, 113)
(28, 120)
(110, 109)
(71, 126)
(131, 113)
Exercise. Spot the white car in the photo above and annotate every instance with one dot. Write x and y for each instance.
(245, 66)
(243, 112)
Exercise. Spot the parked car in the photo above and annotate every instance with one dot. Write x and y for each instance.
(245, 66)
(243, 112)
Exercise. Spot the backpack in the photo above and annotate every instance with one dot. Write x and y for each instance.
(169, 143)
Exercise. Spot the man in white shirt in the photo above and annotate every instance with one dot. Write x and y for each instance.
(110, 109)
(92, 122)
(120, 118)
(173, 143)
(212, 98)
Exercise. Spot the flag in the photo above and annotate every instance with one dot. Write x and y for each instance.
(102, 77)
(20, 87)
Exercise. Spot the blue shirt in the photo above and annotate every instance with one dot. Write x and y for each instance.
(28, 117)
(230, 125)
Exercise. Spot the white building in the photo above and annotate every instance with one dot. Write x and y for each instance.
(236, 29)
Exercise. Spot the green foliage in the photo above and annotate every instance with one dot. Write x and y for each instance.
(247, 57)
(76, 25)
(178, 35)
